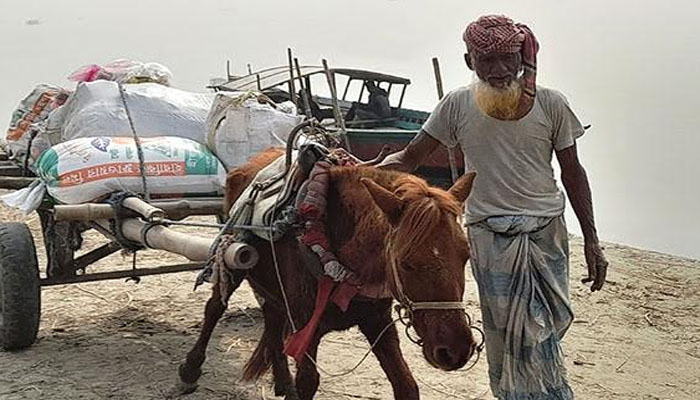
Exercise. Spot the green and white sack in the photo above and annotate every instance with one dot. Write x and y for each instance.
(86, 169)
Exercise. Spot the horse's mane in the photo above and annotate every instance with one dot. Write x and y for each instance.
(423, 215)
(422, 218)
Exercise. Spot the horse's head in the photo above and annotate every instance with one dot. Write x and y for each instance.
(427, 252)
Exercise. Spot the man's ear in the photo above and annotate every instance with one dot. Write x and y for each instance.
(468, 60)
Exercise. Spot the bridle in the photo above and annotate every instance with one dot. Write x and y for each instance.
(407, 307)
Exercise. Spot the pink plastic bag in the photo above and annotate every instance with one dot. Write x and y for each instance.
(89, 73)
(123, 71)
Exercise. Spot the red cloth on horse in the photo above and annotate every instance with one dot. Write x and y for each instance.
(312, 208)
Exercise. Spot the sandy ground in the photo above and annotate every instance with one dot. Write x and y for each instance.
(638, 339)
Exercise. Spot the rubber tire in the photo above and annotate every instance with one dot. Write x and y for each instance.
(20, 293)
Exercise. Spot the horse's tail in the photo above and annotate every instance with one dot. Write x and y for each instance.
(261, 360)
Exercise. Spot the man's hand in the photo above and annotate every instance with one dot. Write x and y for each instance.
(573, 176)
(408, 159)
(597, 265)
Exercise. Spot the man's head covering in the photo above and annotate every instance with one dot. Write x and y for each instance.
(499, 34)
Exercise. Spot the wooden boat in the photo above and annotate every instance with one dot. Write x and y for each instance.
(365, 137)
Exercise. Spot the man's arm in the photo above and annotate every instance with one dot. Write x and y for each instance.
(575, 181)
(412, 155)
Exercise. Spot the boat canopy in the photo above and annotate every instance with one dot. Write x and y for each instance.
(271, 77)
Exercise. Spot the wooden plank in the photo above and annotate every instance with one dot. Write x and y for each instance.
(10, 170)
(102, 276)
(15, 182)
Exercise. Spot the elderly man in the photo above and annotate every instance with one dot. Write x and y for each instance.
(508, 128)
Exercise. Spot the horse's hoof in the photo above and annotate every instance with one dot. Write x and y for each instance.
(189, 376)
(186, 388)
(180, 389)
(283, 389)
(291, 394)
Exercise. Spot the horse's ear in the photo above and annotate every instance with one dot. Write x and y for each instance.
(460, 190)
(387, 201)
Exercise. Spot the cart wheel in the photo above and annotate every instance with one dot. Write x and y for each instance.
(20, 294)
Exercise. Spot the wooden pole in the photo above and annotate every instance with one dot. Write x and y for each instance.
(304, 94)
(15, 182)
(450, 150)
(129, 273)
(292, 89)
(336, 108)
(438, 77)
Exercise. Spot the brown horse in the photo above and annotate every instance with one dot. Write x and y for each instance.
(374, 217)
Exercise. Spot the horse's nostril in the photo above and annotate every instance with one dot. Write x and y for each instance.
(444, 356)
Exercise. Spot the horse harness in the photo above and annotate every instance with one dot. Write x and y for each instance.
(282, 217)
(407, 307)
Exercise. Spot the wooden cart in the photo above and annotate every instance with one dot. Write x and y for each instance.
(62, 227)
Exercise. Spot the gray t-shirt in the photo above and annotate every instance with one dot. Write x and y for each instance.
(512, 159)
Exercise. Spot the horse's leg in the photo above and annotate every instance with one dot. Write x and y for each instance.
(388, 352)
(307, 378)
(274, 329)
(191, 370)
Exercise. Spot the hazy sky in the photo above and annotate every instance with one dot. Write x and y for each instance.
(630, 68)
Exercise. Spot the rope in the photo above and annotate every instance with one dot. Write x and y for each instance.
(116, 201)
(32, 135)
(359, 363)
(291, 319)
(277, 270)
(137, 142)
(222, 275)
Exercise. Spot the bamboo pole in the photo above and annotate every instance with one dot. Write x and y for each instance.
(237, 256)
(336, 108)
(142, 208)
(173, 209)
(450, 150)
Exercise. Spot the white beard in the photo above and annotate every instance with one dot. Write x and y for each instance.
(495, 102)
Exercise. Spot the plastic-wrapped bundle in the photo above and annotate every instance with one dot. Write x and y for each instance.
(97, 109)
(240, 126)
(27, 131)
